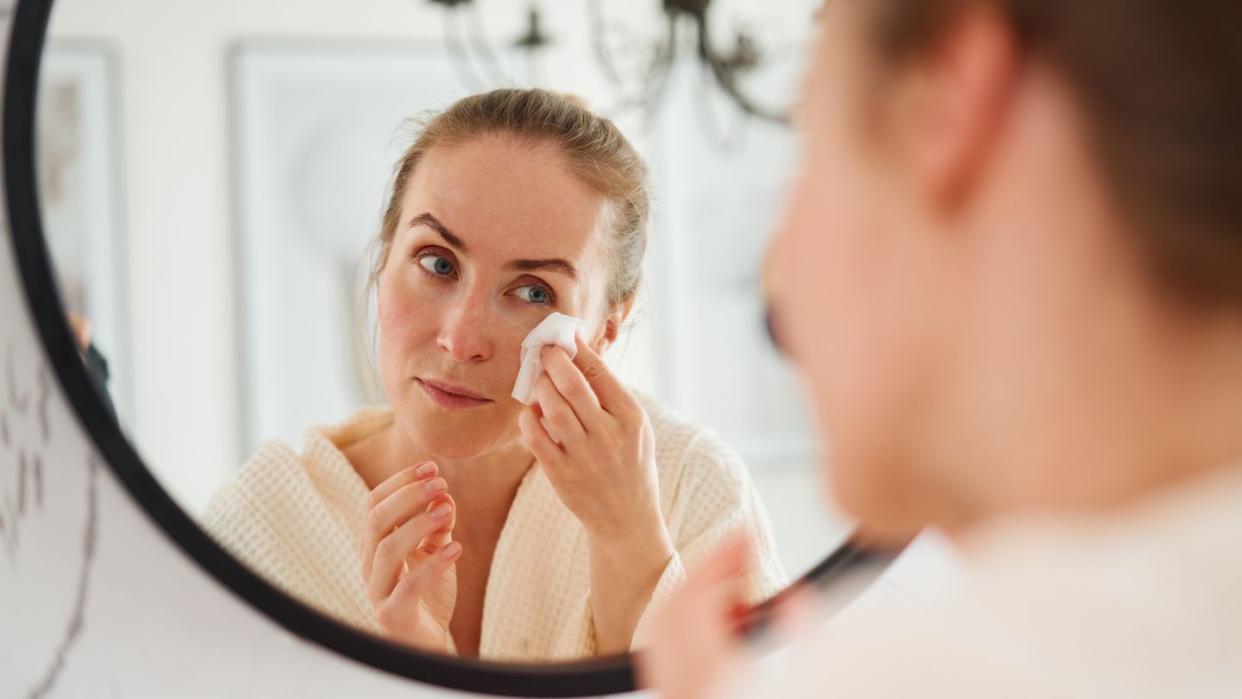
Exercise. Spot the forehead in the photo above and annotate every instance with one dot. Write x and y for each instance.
(506, 198)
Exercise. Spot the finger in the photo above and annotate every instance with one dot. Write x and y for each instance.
(558, 417)
(730, 556)
(415, 583)
(717, 581)
(612, 394)
(406, 502)
(694, 626)
(401, 551)
(537, 439)
(401, 608)
(572, 386)
(402, 478)
(798, 608)
(81, 329)
(391, 552)
(442, 536)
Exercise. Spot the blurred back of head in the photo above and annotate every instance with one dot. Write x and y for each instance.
(1160, 86)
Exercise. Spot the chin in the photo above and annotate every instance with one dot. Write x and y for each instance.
(452, 435)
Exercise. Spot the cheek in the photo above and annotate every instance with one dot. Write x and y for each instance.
(836, 304)
(507, 337)
(405, 321)
(826, 260)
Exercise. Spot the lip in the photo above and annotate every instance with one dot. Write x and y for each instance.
(449, 395)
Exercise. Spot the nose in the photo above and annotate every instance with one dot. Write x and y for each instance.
(465, 333)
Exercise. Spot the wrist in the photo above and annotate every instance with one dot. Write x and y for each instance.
(648, 541)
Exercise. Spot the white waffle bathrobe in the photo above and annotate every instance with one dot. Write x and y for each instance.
(296, 519)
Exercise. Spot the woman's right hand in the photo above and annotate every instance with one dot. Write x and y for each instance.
(409, 558)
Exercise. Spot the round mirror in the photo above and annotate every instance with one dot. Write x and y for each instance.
(309, 257)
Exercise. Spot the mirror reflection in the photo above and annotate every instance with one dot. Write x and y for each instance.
(446, 320)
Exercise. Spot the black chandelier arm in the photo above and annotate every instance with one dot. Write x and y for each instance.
(652, 84)
(726, 76)
(477, 54)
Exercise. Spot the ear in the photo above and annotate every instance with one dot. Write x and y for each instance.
(611, 327)
(954, 103)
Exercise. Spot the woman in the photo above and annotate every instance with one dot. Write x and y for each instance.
(1011, 271)
(457, 519)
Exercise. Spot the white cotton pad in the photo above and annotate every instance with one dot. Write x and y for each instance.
(557, 329)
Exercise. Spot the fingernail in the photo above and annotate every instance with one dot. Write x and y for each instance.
(441, 510)
(426, 469)
(437, 485)
(451, 550)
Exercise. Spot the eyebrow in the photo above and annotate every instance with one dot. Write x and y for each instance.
(430, 221)
(554, 264)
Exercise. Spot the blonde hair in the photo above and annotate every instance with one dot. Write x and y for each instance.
(595, 151)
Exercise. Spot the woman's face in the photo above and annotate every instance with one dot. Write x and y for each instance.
(494, 235)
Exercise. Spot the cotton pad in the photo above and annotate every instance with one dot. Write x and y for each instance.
(557, 329)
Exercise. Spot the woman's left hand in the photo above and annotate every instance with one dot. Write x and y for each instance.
(595, 443)
(597, 448)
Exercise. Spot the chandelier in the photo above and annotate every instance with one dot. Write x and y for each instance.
(684, 25)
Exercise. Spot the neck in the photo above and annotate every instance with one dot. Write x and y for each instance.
(494, 474)
(1163, 409)
(1082, 385)
(1194, 419)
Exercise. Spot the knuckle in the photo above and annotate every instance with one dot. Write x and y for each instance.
(558, 416)
(375, 524)
(384, 549)
(635, 416)
(594, 370)
(544, 385)
(576, 392)
(387, 615)
(542, 449)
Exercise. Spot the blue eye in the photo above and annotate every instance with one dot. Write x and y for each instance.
(533, 293)
(436, 264)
